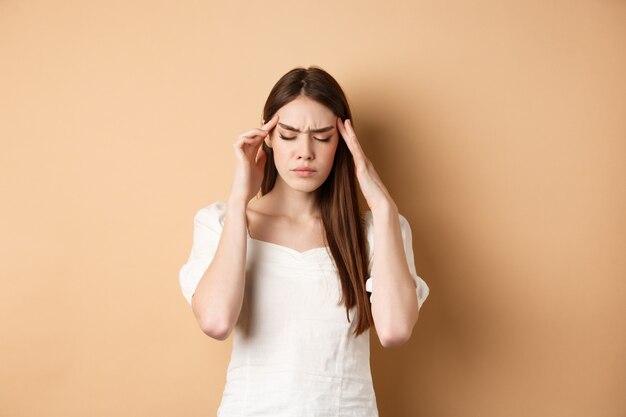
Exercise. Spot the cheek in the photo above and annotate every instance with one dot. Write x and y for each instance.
(332, 150)
(279, 154)
(329, 156)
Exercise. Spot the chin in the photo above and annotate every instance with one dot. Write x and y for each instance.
(304, 185)
(308, 188)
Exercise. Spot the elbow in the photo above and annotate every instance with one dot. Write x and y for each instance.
(394, 340)
(215, 330)
(213, 327)
(395, 337)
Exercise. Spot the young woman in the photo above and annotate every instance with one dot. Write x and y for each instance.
(289, 272)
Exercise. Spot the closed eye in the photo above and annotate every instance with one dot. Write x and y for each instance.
(287, 138)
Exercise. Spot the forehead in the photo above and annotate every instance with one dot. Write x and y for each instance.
(304, 113)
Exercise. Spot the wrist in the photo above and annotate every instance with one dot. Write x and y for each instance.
(385, 208)
(236, 202)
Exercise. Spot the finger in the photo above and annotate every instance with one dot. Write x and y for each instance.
(349, 128)
(260, 156)
(253, 133)
(352, 135)
(270, 124)
(350, 138)
(345, 134)
(247, 146)
(251, 140)
(349, 131)
(341, 127)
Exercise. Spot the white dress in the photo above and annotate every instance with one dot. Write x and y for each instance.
(293, 353)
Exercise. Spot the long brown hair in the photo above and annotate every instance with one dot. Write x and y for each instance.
(337, 196)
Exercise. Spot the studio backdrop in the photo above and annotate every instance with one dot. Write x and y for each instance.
(497, 126)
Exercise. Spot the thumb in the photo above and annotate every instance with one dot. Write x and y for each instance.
(261, 157)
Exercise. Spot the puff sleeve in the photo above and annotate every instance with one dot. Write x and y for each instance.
(207, 229)
(421, 289)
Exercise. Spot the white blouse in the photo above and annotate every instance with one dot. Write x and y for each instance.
(293, 353)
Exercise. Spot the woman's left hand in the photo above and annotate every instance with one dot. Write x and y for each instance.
(373, 189)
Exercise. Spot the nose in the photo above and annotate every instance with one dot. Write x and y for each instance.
(305, 148)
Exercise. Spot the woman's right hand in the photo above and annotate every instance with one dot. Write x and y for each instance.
(250, 161)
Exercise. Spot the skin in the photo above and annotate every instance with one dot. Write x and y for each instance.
(291, 206)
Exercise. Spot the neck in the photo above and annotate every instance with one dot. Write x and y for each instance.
(292, 203)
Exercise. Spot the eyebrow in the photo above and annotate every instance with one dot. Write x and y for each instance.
(293, 129)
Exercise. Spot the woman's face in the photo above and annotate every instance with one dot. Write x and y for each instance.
(306, 136)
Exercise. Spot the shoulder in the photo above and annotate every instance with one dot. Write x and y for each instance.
(211, 215)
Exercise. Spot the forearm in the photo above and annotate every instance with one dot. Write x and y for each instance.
(394, 301)
(219, 295)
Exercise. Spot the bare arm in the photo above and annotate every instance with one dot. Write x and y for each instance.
(394, 297)
(218, 298)
(394, 303)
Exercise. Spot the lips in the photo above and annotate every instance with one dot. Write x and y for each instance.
(305, 169)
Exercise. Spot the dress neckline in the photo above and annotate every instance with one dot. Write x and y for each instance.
(286, 248)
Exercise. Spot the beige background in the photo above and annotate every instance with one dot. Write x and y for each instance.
(499, 128)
